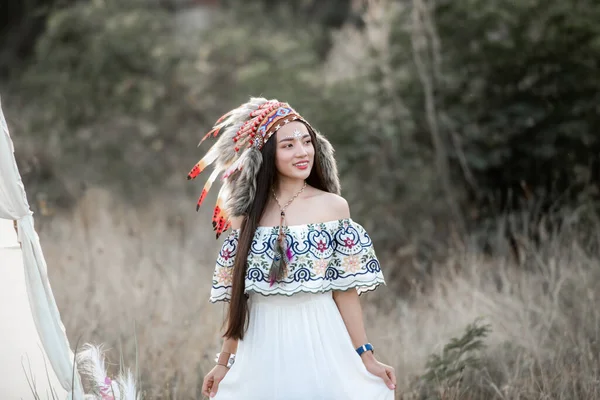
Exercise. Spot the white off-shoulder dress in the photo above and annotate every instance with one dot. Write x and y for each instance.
(297, 346)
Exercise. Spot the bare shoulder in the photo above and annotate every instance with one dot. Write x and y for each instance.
(331, 205)
(236, 222)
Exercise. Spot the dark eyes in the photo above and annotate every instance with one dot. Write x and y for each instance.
(307, 141)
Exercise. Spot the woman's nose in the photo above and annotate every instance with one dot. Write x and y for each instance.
(301, 151)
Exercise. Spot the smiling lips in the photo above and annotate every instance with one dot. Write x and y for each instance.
(301, 165)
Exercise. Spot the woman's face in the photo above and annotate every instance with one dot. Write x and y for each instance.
(295, 153)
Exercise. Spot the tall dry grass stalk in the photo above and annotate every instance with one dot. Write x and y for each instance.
(138, 280)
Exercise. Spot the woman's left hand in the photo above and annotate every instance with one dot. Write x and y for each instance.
(379, 369)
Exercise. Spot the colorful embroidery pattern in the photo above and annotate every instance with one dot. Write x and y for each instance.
(334, 255)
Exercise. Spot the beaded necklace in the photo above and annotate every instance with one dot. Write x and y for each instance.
(279, 267)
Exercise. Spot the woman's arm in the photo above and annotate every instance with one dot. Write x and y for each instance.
(229, 346)
(210, 386)
(348, 304)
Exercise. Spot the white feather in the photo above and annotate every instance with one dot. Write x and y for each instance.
(126, 383)
(236, 165)
(90, 363)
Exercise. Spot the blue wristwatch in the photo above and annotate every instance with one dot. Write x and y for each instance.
(365, 347)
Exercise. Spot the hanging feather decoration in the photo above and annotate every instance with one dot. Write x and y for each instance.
(281, 257)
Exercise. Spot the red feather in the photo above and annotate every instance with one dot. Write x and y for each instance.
(214, 132)
(222, 118)
(215, 217)
(194, 172)
(201, 165)
(201, 199)
(207, 187)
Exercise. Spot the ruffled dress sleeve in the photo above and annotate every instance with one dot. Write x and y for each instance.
(223, 274)
(334, 255)
(353, 262)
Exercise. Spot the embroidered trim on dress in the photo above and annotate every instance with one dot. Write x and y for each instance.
(334, 255)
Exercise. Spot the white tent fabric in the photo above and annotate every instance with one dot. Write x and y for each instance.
(23, 358)
(42, 306)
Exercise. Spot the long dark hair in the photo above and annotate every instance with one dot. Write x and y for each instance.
(266, 178)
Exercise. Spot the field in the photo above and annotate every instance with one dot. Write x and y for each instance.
(137, 279)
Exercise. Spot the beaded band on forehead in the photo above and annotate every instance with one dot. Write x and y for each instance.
(264, 122)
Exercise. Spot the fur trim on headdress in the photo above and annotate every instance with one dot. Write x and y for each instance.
(243, 188)
(328, 165)
(237, 156)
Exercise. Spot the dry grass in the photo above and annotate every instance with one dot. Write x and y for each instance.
(139, 278)
(121, 275)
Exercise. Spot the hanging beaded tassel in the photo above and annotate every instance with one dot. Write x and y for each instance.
(279, 266)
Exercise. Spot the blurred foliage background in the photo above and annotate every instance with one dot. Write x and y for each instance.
(465, 132)
(444, 114)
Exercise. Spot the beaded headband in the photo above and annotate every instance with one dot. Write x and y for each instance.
(264, 124)
(237, 157)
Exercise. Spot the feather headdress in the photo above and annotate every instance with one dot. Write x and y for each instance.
(237, 157)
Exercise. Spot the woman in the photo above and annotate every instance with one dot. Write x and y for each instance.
(291, 269)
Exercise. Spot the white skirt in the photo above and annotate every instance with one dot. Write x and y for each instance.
(298, 348)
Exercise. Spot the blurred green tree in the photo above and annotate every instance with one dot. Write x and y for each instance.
(322, 15)
(104, 93)
(434, 109)
(478, 109)
(520, 89)
(21, 23)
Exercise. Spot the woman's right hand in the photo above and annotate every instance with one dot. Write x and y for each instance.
(212, 380)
